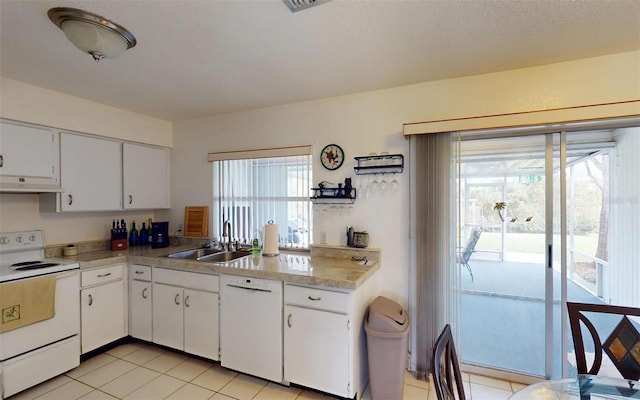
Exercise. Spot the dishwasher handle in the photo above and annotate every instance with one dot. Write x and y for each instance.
(248, 288)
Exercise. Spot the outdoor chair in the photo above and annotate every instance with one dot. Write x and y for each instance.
(622, 345)
(445, 368)
(463, 256)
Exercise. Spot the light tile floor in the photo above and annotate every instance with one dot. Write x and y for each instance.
(141, 371)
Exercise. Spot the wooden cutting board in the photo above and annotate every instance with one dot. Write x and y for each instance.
(196, 219)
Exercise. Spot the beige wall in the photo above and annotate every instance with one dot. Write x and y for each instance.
(20, 212)
(546, 94)
(361, 123)
(373, 122)
(33, 104)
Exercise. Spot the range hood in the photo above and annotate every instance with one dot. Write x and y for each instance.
(16, 184)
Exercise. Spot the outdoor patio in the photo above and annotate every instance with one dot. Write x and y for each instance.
(502, 313)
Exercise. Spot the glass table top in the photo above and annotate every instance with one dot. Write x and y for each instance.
(584, 387)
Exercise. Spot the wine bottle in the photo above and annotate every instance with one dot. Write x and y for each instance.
(133, 236)
(150, 231)
(144, 236)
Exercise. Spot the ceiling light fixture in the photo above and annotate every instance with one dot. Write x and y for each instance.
(297, 5)
(92, 33)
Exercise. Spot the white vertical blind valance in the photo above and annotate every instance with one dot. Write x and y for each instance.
(302, 150)
(563, 115)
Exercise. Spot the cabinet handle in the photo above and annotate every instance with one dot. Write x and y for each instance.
(176, 299)
(139, 272)
(1, 161)
(289, 321)
(186, 301)
(314, 298)
(144, 293)
(104, 275)
(70, 199)
(90, 300)
(130, 199)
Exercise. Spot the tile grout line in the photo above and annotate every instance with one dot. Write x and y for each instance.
(211, 364)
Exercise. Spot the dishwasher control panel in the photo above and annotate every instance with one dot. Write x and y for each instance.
(263, 285)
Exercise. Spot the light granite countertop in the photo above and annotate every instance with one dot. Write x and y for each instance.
(328, 266)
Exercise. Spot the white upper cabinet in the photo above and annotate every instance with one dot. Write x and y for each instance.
(91, 173)
(145, 176)
(28, 156)
(105, 175)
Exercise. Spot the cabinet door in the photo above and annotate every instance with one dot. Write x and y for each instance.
(102, 315)
(168, 316)
(91, 173)
(201, 316)
(146, 176)
(316, 349)
(140, 310)
(27, 151)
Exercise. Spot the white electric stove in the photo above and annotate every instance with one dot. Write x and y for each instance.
(22, 256)
(34, 352)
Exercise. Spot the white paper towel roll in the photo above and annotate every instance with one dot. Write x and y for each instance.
(270, 245)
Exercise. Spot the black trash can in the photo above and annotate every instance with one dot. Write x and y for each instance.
(387, 328)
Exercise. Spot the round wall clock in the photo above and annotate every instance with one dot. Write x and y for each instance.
(332, 156)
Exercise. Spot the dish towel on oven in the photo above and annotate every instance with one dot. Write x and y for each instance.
(27, 301)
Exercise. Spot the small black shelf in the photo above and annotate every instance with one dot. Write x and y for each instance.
(379, 164)
(333, 196)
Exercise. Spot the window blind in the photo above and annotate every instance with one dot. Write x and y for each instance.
(251, 192)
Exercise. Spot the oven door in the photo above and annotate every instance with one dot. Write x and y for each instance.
(64, 324)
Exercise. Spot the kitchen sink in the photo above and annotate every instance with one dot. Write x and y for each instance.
(223, 256)
(193, 254)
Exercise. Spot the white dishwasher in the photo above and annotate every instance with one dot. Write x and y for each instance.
(251, 326)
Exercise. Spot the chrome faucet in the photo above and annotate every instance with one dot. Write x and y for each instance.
(226, 233)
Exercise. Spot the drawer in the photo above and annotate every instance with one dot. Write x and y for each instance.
(316, 298)
(140, 272)
(101, 275)
(189, 280)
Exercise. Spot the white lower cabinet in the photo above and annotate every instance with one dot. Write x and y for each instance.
(186, 312)
(201, 316)
(140, 302)
(102, 307)
(316, 349)
(323, 342)
(168, 316)
(324, 338)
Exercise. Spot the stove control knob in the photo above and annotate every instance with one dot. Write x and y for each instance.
(4, 240)
(18, 239)
(32, 238)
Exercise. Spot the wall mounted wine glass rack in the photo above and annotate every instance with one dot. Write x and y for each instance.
(379, 164)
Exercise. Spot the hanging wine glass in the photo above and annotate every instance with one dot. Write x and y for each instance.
(374, 184)
(394, 185)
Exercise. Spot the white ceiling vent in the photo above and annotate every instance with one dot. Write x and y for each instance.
(297, 5)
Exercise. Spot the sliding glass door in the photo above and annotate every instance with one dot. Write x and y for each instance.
(541, 206)
(503, 295)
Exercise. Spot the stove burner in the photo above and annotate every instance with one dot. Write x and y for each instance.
(35, 266)
(20, 264)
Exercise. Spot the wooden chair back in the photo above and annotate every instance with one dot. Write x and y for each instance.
(445, 368)
(622, 345)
